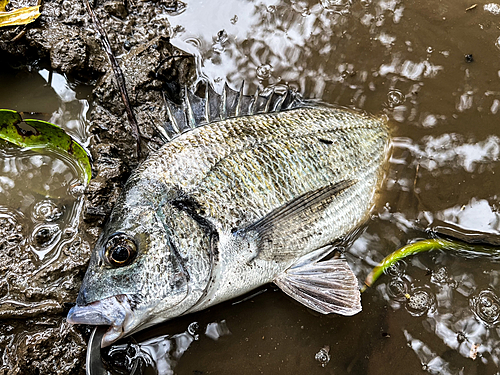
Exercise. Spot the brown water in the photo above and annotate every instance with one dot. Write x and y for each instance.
(42, 191)
(407, 60)
(40, 206)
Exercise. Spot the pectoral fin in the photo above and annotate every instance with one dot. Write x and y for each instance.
(273, 231)
(326, 287)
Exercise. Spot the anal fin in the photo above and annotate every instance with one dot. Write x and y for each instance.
(326, 287)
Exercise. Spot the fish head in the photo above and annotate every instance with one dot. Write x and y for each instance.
(137, 275)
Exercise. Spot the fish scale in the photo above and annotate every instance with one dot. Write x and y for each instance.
(231, 205)
(309, 172)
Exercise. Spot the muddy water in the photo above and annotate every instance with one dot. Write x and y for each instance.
(41, 191)
(41, 198)
(433, 68)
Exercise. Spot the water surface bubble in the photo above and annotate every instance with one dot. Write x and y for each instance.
(47, 211)
(44, 238)
(174, 8)
(222, 36)
(193, 329)
(220, 41)
(486, 307)
(45, 235)
(323, 356)
(395, 98)
(420, 301)
(397, 289)
(397, 269)
(440, 277)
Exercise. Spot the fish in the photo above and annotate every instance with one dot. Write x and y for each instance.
(246, 190)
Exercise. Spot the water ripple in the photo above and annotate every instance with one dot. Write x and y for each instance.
(486, 307)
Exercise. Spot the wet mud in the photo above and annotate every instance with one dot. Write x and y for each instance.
(431, 68)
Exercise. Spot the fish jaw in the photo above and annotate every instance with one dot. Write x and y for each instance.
(114, 311)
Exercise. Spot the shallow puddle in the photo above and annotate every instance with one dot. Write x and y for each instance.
(41, 191)
(41, 198)
(432, 68)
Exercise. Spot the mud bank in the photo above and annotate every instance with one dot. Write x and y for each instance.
(34, 337)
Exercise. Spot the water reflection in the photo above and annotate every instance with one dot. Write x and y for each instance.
(451, 150)
(72, 112)
(40, 203)
(161, 354)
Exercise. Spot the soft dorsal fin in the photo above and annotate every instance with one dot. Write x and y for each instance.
(326, 287)
(196, 110)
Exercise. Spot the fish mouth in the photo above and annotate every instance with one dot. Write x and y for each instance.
(115, 311)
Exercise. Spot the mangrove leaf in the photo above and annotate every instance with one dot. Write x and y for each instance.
(37, 134)
(20, 16)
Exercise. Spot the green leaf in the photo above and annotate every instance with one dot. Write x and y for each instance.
(20, 16)
(428, 245)
(37, 134)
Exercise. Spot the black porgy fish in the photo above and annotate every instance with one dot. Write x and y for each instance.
(231, 205)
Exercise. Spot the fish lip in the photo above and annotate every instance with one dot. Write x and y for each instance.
(114, 311)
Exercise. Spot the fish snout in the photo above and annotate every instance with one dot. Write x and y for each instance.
(113, 311)
(88, 315)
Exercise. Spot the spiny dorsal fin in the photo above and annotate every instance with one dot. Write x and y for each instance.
(198, 110)
(231, 101)
(213, 104)
(326, 287)
(195, 107)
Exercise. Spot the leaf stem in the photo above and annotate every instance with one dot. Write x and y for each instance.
(427, 245)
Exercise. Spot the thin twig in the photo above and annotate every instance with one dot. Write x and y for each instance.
(120, 80)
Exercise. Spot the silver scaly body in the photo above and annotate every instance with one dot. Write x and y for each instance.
(235, 204)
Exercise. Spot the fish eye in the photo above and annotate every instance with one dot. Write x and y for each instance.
(120, 250)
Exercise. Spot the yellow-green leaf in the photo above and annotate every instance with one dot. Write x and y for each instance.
(428, 245)
(20, 16)
(3, 3)
(37, 134)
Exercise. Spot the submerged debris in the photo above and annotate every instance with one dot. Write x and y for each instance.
(323, 356)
